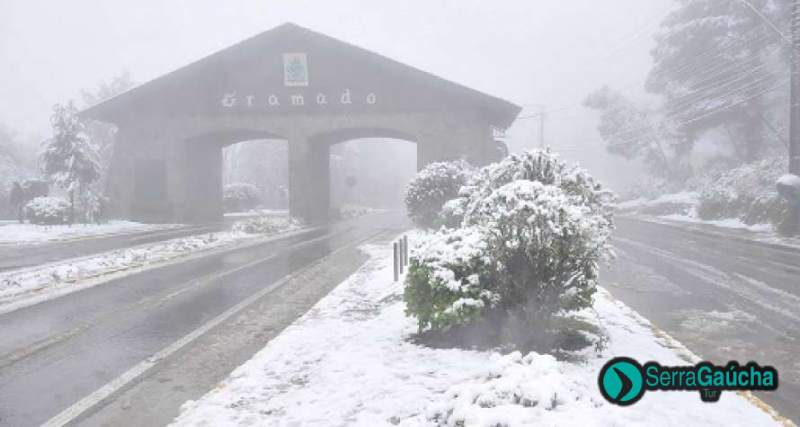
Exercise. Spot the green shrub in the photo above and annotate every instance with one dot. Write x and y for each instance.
(533, 234)
(443, 285)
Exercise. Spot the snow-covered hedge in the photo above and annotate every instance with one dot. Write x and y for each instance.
(47, 211)
(532, 235)
(432, 187)
(535, 165)
(352, 211)
(240, 196)
(746, 193)
(267, 224)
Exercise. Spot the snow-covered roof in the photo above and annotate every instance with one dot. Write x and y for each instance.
(254, 72)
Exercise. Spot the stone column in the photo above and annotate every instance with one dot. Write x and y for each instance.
(199, 175)
(309, 179)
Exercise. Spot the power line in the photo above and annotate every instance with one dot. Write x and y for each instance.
(767, 21)
(749, 78)
(650, 129)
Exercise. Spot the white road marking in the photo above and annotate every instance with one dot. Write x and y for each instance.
(77, 409)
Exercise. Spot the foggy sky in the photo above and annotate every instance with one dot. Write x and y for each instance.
(527, 51)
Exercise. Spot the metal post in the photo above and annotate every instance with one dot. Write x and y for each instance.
(405, 246)
(541, 126)
(396, 253)
(400, 258)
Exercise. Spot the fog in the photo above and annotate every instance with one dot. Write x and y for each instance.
(529, 52)
(399, 212)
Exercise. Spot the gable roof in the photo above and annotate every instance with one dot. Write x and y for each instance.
(199, 83)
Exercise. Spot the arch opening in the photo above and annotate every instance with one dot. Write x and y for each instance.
(370, 173)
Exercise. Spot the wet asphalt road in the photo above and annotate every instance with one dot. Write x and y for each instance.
(724, 298)
(55, 353)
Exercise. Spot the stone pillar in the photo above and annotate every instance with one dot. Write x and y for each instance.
(199, 177)
(309, 179)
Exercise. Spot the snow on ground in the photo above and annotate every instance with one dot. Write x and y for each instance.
(349, 361)
(354, 211)
(681, 207)
(763, 233)
(734, 223)
(690, 198)
(32, 233)
(257, 212)
(24, 287)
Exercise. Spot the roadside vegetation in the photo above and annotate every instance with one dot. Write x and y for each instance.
(719, 127)
(240, 197)
(522, 251)
(63, 181)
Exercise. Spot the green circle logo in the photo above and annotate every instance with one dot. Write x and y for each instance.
(621, 381)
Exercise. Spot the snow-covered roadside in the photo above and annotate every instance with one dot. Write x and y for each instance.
(25, 287)
(348, 361)
(763, 233)
(355, 211)
(30, 233)
(732, 223)
(681, 208)
(256, 212)
(686, 199)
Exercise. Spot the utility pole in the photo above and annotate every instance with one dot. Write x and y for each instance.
(794, 115)
(541, 115)
(794, 103)
(542, 112)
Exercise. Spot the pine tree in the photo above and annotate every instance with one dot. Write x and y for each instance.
(103, 135)
(718, 65)
(637, 133)
(69, 159)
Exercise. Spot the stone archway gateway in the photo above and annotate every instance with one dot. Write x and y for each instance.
(287, 83)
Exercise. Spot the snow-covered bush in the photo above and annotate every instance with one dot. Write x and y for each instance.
(533, 235)
(747, 193)
(432, 187)
(443, 286)
(788, 186)
(266, 224)
(534, 165)
(352, 211)
(47, 211)
(240, 196)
